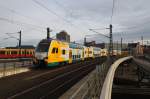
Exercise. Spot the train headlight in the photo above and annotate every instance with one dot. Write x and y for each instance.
(46, 58)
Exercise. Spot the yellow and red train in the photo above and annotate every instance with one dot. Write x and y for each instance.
(11, 53)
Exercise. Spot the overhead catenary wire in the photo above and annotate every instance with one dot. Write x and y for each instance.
(111, 19)
(99, 29)
(51, 11)
(112, 11)
(93, 36)
(34, 27)
(99, 33)
(66, 9)
(54, 13)
(4, 39)
(19, 22)
(59, 4)
(18, 13)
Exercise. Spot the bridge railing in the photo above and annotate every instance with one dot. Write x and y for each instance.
(91, 88)
(106, 90)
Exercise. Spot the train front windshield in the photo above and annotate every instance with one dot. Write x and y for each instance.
(43, 47)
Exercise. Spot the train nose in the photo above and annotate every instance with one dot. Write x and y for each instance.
(40, 59)
(41, 56)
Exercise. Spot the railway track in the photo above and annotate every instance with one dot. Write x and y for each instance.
(22, 84)
(53, 88)
(131, 93)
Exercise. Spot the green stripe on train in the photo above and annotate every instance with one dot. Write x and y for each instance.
(52, 64)
(55, 64)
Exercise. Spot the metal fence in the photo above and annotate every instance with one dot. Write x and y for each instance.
(91, 88)
(98, 82)
(10, 68)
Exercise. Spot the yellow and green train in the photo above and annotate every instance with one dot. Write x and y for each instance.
(52, 53)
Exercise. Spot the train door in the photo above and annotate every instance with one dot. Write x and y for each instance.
(70, 55)
(82, 54)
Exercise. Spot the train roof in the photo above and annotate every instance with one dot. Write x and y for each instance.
(23, 47)
(75, 45)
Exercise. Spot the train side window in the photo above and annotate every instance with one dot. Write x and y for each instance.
(14, 52)
(63, 52)
(19, 51)
(56, 50)
(23, 52)
(26, 52)
(8, 53)
(2, 52)
(73, 56)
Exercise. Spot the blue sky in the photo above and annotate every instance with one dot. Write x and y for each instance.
(130, 19)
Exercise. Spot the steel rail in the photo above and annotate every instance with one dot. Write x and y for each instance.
(107, 86)
(68, 82)
(46, 82)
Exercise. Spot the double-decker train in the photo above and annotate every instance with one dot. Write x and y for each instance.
(51, 53)
(54, 52)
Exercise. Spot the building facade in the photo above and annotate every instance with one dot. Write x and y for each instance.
(63, 36)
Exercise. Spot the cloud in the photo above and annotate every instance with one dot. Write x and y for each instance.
(130, 20)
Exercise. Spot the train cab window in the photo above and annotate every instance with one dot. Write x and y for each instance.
(56, 50)
(53, 50)
(2, 52)
(43, 46)
(63, 52)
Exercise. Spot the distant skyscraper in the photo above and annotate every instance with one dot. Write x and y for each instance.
(63, 36)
